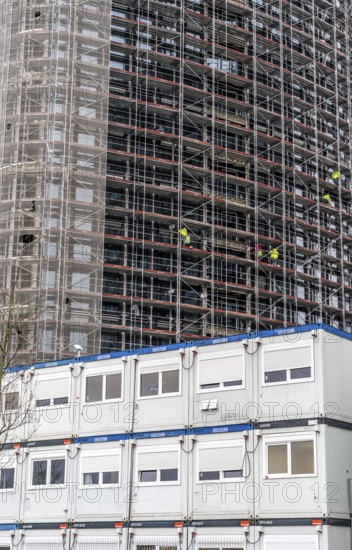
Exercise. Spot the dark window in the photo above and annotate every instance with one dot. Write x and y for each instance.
(275, 376)
(50, 402)
(232, 473)
(94, 388)
(147, 475)
(113, 386)
(303, 372)
(110, 477)
(7, 478)
(42, 403)
(57, 472)
(209, 476)
(56, 469)
(39, 472)
(169, 474)
(233, 383)
(60, 400)
(209, 386)
(27, 239)
(11, 401)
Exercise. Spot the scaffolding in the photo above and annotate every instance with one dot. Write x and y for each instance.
(174, 170)
(229, 119)
(54, 111)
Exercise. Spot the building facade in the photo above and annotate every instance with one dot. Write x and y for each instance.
(174, 170)
(233, 443)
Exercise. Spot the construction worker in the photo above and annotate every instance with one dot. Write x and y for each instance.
(335, 175)
(259, 251)
(326, 197)
(184, 234)
(274, 255)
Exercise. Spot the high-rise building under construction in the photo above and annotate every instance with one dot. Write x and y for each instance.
(174, 170)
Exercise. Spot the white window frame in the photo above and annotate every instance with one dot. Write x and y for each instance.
(42, 455)
(159, 364)
(220, 355)
(105, 371)
(288, 438)
(8, 463)
(97, 454)
(216, 445)
(288, 347)
(53, 377)
(159, 449)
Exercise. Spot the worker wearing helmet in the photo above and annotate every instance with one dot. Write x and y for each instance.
(259, 251)
(185, 237)
(274, 255)
(327, 197)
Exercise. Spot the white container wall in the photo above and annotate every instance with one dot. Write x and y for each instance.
(214, 445)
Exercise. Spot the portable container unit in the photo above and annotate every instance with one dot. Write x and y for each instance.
(139, 537)
(209, 446)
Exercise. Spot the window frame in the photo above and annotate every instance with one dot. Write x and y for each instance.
(94, 453)
(159, 449)
(50, 378)
(7, 464)
(49, 456)
(159, 364)
(10, 386)
(226, 444)
(220, 355)
(104, 372)
(155, 542)
(11, 410)
(288, 347)
(161, 546)
(287, 439)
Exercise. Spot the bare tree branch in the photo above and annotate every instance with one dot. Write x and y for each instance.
(17, 392)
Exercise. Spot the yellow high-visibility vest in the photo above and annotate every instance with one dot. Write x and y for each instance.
(327, 198)
(335, 175)
(274, 254)
(183, 232)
